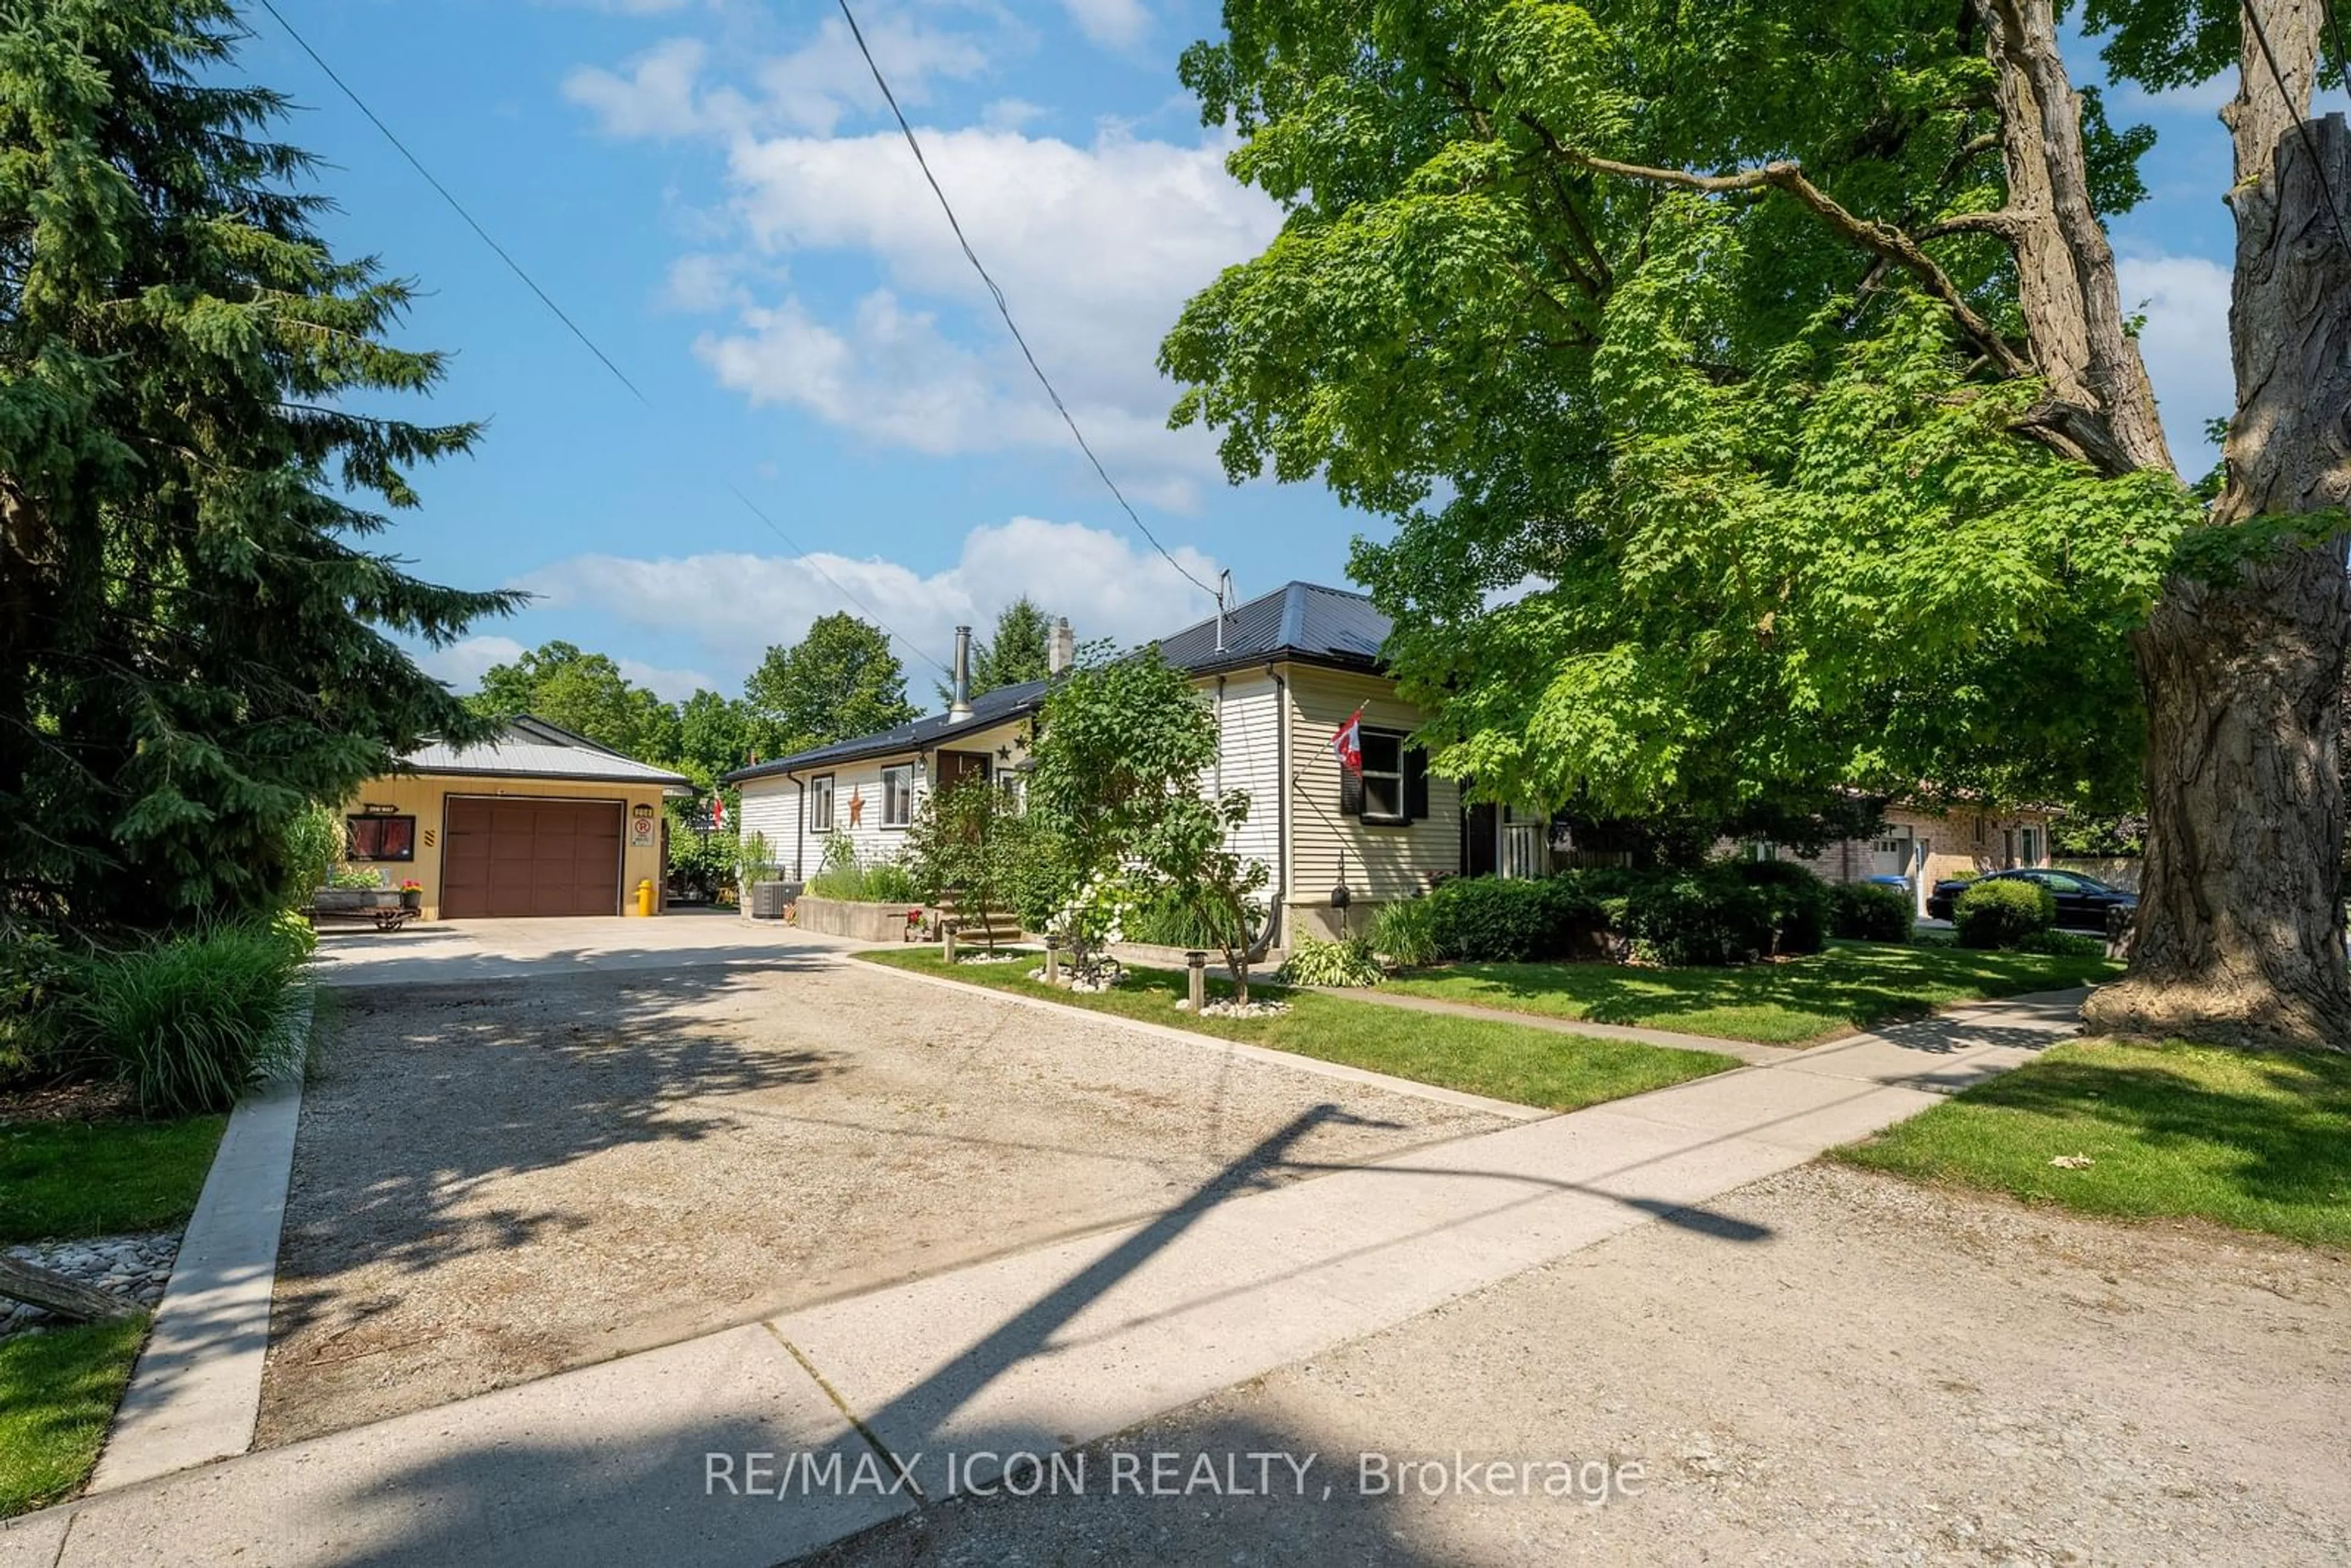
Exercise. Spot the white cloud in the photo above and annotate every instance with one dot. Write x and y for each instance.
(669, 686)
(2186, 344)
(1097, 248)
(1117, 24)
(625, 7)
(701, 283)
(462, 663)
(658, 97)
(662, 91)
(1011, 113)
(816, 85)
(736, 605)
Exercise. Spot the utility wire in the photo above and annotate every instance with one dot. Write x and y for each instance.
(1004, 308)
(806, 558)
(2302, 123)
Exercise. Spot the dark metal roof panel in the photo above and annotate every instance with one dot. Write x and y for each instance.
(988, 710)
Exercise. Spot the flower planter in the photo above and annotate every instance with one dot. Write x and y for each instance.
(353, 899)
(864, 922)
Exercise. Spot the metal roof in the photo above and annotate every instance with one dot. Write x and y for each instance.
(987, 710)
(1299, 620)
(530, 747)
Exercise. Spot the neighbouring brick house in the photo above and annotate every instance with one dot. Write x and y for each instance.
(1929, 846)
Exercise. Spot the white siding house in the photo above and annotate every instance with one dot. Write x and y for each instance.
(1280, 673)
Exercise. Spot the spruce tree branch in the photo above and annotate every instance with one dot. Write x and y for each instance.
(1880, 239)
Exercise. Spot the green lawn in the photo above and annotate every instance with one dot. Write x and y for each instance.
(60, 1179)
(2256, 1141)
(1503, 1060)
(1854, 985)
(58, 1392)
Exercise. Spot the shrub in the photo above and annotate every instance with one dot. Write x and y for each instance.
(2064, 944)
(1406, 933)
(842, 876)
(1492, 920)
(2003, 912)
(890, 883)
(1703, 916)
(1866, 912)
(705, 865)
(191, 1021)
(1164, 920)
(37, 982)
(1314, 962)
(1795, 902)
(314, 842)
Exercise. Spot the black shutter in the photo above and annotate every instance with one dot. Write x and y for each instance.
(1351, 791)
(1416, 783)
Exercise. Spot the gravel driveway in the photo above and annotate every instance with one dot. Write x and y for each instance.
(1889, 1375)
(502, 1179)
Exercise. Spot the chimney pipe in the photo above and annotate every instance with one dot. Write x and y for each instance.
(1060, 647)
(961, 706)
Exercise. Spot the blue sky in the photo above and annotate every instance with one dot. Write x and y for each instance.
(712, 190)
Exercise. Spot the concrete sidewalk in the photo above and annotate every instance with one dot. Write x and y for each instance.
(647, 1458)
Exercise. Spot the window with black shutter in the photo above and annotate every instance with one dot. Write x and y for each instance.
(1391, 788)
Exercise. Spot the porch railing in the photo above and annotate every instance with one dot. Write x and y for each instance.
(1525, 850)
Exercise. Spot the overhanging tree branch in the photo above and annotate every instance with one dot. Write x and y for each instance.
(1883, 240)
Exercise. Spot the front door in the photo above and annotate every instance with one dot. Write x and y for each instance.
(1481, 830)
(955, 767)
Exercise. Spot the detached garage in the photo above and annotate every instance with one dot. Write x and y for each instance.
(537, 822)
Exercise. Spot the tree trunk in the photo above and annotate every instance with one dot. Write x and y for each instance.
(2239, 932)
(2240, 937)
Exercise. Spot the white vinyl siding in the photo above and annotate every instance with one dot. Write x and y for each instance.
(1376, 862)
(1249, 729)
(770, 807)
(773, 804)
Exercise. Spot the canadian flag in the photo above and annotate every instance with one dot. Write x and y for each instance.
(1348, 744)
(717, 810)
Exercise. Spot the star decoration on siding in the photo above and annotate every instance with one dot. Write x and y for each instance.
(856, 807)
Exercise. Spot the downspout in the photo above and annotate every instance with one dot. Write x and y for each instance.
(799, 825)
(1280, 815)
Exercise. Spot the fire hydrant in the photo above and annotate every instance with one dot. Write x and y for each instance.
(645, 896)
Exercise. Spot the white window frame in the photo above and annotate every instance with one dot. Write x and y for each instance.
(905, 794)
(1396, 738)
(822, 792)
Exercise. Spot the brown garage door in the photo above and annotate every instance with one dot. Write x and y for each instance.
(531, 857)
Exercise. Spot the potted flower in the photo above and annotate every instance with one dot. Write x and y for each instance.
(411, 895)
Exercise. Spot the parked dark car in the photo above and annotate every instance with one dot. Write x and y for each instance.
(2081, 900)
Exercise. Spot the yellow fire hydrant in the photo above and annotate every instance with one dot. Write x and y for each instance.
(645, 896)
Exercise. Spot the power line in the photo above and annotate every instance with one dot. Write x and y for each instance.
(1004, 308)
(806, 558)
(2302, 123)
